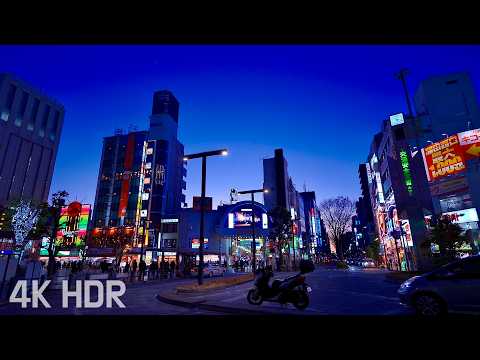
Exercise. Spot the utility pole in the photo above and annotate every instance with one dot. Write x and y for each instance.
(401, 76)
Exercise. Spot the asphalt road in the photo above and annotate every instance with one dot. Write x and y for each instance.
(355, 291)
(335, 292)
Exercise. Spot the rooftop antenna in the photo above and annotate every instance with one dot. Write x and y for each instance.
(304, 186)
(401, 76)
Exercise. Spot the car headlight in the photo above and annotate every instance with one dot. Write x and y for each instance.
(407, 284)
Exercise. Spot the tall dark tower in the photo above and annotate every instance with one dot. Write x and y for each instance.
(164, 102)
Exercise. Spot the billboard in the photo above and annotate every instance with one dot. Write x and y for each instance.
(196, 243)
(243, 218)
(396, 119)
(449, 187)
(449, 156)
(72, 225)
(462, 216)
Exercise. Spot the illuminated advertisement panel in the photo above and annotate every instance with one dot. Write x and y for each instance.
(462, 216)
(406, 171)
(449, 156)
(246, 244)
(196, 243)
(72, 225)
(242, 218)
(396, 119)
(443, 158)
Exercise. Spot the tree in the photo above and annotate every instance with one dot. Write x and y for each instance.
(120, 242)
(281, 230)
(337, 214)
(448, 236)
(373, 250)
(24, 218)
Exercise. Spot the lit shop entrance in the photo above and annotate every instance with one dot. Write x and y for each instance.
(240, 249)
(236, 232)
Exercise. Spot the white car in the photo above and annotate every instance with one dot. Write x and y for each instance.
(211, 270)
(368, 263)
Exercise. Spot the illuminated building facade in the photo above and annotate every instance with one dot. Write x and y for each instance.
(228, 233)
(399, 197)
(315, 237)
(417, 169)
(141, 178)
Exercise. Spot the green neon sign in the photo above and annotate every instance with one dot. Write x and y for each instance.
(406, 171)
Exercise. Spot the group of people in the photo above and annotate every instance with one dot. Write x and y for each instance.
(154, 271)
(241, 265)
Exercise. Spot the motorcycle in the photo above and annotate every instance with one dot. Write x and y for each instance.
(292, 290)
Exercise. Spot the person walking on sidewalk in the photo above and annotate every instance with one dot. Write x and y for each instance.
(165, 269)
(172, 269)
(134, 268)
(154, 270)
(141, 269)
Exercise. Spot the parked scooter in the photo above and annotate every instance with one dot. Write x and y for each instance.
(292, 290)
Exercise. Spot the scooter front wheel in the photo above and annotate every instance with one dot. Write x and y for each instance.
(254, 297)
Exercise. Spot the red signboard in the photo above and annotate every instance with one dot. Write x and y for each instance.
(128, 164)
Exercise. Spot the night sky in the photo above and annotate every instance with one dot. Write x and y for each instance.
(321, 104)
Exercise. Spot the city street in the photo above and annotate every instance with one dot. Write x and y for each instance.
(335, 292)
(355, 291)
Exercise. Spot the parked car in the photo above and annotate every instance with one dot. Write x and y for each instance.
(454, 287)
(210, 270)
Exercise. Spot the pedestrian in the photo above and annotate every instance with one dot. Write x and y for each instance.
(151, 270)
(141, 269)
(126, 269)
(134, 268)
(172, 269)
(165, 268)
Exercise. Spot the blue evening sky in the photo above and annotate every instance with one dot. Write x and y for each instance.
(321, 104)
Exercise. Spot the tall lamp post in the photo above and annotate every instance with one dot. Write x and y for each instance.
(254, 248)
(203, 156)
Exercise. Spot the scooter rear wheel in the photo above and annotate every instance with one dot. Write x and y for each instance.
(254, 298)
(302, 301)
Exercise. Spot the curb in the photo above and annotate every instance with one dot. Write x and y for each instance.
(206, 290)
(218, 308)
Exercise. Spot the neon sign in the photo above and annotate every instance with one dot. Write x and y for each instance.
(406, 171)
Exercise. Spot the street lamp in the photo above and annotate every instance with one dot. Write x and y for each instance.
(254, 248)
(203, 156)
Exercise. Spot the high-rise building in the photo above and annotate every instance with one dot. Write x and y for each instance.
(445, 105)
(313, 228)
(309, 240)
(30, 128)
(120, 180)
(142, 178)
(276, 180)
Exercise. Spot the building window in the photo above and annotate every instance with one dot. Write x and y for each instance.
(43, 126)
(33, 117)
(11, 96)
(22, 110)
(54, 127)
